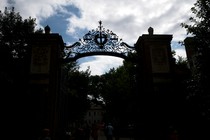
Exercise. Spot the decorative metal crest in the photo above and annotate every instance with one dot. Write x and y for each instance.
(99, 41)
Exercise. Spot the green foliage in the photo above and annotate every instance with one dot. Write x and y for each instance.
(95, 88)
(13, 46)
(199, 86)
(13, 34)
(200, 24)
(118, 92)
(75, 87)
(14, 67)
(200, 28)
(182, 61)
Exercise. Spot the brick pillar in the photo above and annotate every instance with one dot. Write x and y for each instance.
(154, 77)
(45, 69)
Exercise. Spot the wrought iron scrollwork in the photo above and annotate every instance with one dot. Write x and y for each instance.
(99, 41)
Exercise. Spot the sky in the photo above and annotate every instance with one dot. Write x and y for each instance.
(129, 19)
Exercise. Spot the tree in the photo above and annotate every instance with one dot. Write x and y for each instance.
(75, 88)
(14, 31)
(199, 86)
(14, 65)
(13, 45)
(200, 29)
(118, 91)
(95, 87)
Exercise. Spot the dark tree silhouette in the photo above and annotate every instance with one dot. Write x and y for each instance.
(14, 59)
(198, 97)
(13, 46)
(75, 87)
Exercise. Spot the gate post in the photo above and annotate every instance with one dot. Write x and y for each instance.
(156, 56)
(154, 80)
(44, 81)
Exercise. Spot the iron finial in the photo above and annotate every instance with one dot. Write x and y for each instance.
(100, 22)
(150, 30)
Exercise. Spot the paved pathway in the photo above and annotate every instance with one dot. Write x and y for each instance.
(103, 137)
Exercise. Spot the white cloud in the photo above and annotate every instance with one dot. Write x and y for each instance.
(39, 9)
(3, 4)
(180, 52)
(101, 64)
(128, 19)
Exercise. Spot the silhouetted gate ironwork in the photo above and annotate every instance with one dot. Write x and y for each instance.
(100, 41)
(154, 73)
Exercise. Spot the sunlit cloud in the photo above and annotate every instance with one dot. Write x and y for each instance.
(128, 19)
(180, 53)
(101, 64)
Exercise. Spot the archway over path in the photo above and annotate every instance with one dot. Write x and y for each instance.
(154, 60)
(100, 41)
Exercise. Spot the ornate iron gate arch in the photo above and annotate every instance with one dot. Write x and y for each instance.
(155, 75)
(100, 41)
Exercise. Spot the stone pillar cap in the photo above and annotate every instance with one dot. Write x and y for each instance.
(47, 29)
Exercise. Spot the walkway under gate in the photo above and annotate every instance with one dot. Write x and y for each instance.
(154, 60)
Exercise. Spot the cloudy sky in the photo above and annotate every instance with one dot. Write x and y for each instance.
(129, 19)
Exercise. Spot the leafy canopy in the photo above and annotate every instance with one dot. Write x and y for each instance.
(199, 85)
(13, 33)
